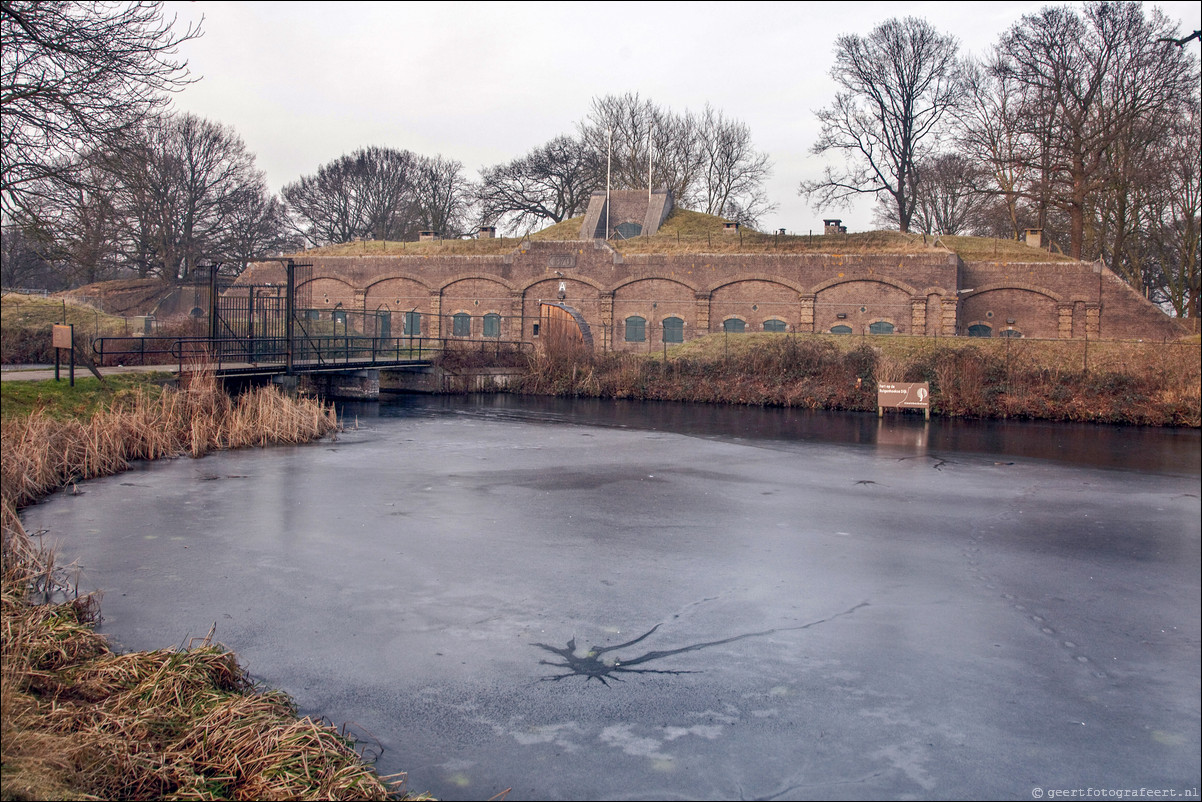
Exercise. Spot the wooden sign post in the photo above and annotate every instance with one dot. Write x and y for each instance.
(63, 336)
(903, 395)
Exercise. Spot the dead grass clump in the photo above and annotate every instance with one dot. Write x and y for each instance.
(1157, 384)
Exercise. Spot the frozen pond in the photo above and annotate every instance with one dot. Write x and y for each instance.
(779, 605)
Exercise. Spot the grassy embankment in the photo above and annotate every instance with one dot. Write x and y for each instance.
(25, 322)
(1157, 384)
(693, 232)
(80, 722)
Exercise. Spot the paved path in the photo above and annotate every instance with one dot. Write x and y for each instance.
(43, 373)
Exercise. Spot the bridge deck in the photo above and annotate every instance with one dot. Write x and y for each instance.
(269, 356)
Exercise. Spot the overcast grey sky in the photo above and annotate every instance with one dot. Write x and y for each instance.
(305, 82)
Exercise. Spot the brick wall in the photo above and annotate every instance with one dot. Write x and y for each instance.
(925, 294)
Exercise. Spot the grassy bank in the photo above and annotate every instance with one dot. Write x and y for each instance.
(80, 722)
(1156, 384)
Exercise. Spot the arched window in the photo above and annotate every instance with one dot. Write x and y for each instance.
(413, 324)
(734, 325)
(775, 325)
(1010, 333)
(492, 325)
(880, 327)
(461, 325)
(840, 329)
(673, 330)
(636, 329)
(628, 230)
(980, 330)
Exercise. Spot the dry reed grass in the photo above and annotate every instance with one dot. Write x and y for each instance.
(80, 722)
(1157, 384)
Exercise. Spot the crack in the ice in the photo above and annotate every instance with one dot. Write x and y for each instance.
(591, 665)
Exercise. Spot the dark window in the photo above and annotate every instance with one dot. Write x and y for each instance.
(880, 327)
(775, 325)
(1010, 333)
(840, 329)
(534, 330)
(980, 330)
(628, 230)
(461, 325)
(492, 325)
(636, 329)
(734, 325)
(339, 318)
(673, 330)
(383, 325)
(413, 324)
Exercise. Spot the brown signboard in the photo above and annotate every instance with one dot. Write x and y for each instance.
(60, 336)
(903, 395)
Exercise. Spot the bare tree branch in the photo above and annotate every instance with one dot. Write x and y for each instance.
(76, 75)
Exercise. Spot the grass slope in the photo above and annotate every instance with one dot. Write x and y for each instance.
(687, 231)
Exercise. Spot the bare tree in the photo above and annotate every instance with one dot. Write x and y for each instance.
(550, 184)
(707, 161)
(623, 125)
(989, 134)
(443, 196)
(369, 193)
(1173, 210)
(186, 183)
(897, 84)
(258, 227)
(648, 142)
(733, 171)
(76, 75)
(22, 263)
(327, 207)
(78, 222)
(948, 196)
(1087, 78)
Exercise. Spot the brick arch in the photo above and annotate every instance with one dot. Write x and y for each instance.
(891, 282)
(397, 276)
(765, 277)
(525, 287)
(1037, 312)
(328, 292)
(859, 301)
(493, 279)
(320, 280)
(615, 287)
(398, 292)
(1014, 285)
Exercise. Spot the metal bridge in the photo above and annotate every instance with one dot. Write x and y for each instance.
(274, 329)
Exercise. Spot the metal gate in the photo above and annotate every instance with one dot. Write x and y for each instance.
(257, 322)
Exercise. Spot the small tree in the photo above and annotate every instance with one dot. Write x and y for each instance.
(550, 184)
(897, 84)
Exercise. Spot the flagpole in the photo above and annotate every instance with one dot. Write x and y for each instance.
(608, 169)
(648, 165)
